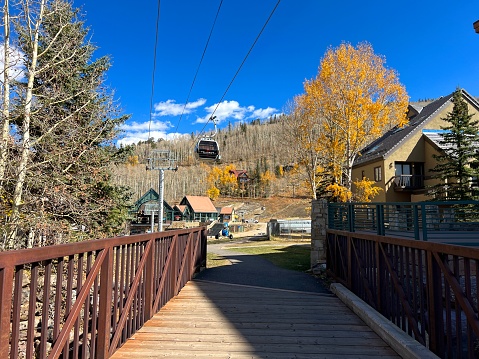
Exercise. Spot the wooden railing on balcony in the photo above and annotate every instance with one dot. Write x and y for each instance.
(84, 300)
(429, 290)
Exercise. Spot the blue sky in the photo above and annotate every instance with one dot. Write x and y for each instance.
(431, 44)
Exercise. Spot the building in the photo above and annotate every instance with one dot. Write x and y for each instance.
(227, 214)
(146, 209)
(242, 178)
(198, 208)
(400, 161)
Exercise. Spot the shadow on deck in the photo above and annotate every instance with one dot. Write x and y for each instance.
(253, 309)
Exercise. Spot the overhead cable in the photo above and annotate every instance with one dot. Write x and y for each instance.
(154, 69)
(239, 68)
(199, 65)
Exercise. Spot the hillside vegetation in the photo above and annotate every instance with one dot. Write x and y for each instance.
(255, 147)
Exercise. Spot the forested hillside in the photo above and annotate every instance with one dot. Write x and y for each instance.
(256, 147)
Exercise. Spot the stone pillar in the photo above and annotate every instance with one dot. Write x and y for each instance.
(319, 221)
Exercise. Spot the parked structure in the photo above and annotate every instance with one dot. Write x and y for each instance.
(199, 208)
(400, 161)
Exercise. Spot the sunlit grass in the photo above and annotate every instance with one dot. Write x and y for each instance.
(295, 256)
(214, 260)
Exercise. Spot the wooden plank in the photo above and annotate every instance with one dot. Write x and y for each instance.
(212, 320)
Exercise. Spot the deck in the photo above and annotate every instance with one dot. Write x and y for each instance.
(221, 320)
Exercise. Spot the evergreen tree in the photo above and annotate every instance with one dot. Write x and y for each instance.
(67, 135)
(456, 165)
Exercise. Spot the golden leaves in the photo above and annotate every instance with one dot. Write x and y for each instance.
(353, 100)
(366, 190)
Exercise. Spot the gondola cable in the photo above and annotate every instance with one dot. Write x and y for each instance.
(212, 117)
(199, 65)
(153, 74)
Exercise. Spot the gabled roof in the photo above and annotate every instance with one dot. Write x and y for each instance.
(239, 173)
(226, 210)
(181, 207)
(383, 146)
(201, 204)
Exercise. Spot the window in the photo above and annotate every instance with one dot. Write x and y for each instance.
(378, 174)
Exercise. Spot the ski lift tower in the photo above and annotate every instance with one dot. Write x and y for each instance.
(161, 160)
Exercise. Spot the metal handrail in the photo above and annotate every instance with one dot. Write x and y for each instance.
(86, 299)
(429, 290)
(409, 181)
(451, 222)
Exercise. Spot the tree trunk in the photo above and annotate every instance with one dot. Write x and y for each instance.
(25, 154)
(6, 93)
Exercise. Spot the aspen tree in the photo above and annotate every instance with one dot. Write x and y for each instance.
(355, 99)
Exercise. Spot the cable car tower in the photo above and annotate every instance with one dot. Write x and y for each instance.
(207, 149)
(161, 160)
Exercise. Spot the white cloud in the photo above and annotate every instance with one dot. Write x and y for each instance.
(17, 68)
(135, 132)
(263, 113)
(223, 111)
(146, 126)
(232, 109)
(171, 108)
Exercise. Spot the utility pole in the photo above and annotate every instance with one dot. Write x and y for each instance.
(161, 160)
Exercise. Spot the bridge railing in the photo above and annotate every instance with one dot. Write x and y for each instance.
(84, 300)
(430, 220)
(427, 289)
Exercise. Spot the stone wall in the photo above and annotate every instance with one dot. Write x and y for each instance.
(319, 220)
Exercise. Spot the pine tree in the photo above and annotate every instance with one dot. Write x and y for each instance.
(456, 164)
(66, 120)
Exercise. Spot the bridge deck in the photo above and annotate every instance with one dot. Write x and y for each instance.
(219, 320)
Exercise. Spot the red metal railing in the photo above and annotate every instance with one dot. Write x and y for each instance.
(427, 289)
(84, 300)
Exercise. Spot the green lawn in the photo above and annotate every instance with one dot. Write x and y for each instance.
(295, 256)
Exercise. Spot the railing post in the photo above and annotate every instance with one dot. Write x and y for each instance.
(416, 221)
(424, 221)
(349, 269)
(6, 290)
(378, 276)
(435, 311)
(351, 218)
(149, 280)
(105, 308)
(380, 219)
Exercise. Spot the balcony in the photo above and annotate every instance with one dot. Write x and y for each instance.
(408, 183)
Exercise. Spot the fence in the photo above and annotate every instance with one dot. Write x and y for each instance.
(84, 300)
(445, 222)
(427, 289)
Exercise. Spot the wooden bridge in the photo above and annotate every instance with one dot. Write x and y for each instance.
(136, 297)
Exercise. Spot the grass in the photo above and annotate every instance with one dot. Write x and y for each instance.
(214, 260)
(295, 256)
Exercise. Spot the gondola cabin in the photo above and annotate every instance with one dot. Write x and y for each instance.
(207, 149)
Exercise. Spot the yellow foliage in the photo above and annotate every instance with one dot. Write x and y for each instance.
(366, 190)
(353, 100)
(339, 193)
(132, 160)
(221, 180)
(213, 193)
(267, 177)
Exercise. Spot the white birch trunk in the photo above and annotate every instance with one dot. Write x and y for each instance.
(6, 93)
(25, 154)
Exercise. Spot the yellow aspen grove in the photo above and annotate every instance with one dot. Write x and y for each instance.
(356, 99)
(221, 181)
